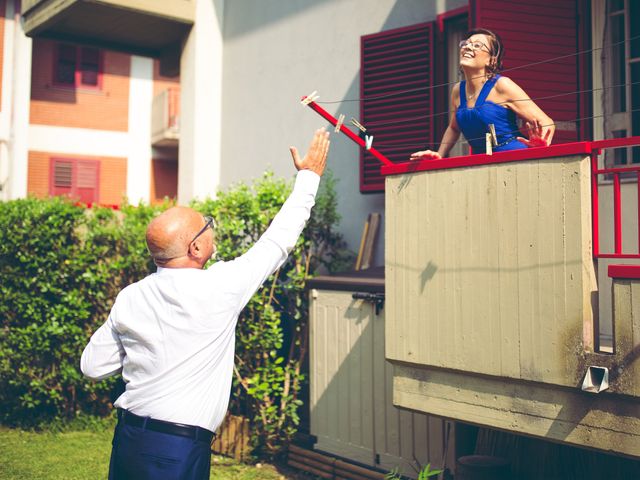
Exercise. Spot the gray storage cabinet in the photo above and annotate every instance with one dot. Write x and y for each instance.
(351, 404)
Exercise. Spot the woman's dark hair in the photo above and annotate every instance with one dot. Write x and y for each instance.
(496, 49)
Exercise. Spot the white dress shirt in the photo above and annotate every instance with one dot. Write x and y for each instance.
(172, 334)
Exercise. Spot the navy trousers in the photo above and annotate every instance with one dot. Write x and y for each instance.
(140, 454)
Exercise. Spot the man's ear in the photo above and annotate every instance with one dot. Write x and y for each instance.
(194, 249)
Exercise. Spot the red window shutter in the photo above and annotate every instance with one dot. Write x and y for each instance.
(87, 181)
(62, 177)
(65, 68)
(396, 73)
(537, 31)
(89, 66)
(78, 179)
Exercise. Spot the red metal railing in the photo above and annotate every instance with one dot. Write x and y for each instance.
(112, 206)
(614, 173)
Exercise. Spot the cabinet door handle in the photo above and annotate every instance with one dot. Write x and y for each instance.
(376, 298)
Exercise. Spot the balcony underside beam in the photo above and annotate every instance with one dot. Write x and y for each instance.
(141, 27)
(553, 413)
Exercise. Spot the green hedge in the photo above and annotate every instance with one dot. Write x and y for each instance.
(60, 268)
(62, 265)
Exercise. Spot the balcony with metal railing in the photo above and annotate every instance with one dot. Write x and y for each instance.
(165, 118)
(492, 293)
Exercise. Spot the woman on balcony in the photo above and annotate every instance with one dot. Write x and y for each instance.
(486, 98)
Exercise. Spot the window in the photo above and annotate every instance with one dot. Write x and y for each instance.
(621, 76)
(396, 76)
(78, 179)
(77, 66)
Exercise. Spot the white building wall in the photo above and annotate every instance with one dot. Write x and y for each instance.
(79, 141)
(5, 102)
(274, 53)
(200, 104)
(14, 117)
(139, 154)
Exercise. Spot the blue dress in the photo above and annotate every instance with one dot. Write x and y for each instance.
(474, 122)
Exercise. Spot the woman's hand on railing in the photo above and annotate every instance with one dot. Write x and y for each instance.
(539, 136)
(425, 155)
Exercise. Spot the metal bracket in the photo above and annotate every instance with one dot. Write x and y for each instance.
(376, 298)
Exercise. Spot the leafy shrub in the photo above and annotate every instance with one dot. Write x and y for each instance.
(61, 267)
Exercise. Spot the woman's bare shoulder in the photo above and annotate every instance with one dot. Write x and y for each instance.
(508, 90)
(505, 84)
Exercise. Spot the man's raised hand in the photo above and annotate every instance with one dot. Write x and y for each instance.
(316, 157)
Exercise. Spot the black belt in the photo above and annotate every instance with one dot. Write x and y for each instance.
(180, 429)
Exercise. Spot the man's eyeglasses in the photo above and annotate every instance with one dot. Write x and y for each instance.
(209, 222)
(473, 46)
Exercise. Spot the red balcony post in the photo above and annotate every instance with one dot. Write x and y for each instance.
(617, 214)
(594, 203)
(638, 192)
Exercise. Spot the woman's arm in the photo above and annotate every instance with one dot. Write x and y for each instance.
(450, 137)
(451, 134)
(539, 125)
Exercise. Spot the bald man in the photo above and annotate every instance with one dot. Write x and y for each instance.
(172, 334)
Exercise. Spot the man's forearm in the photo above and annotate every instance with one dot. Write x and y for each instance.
(288, 224)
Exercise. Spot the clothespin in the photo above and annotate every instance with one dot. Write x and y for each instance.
(492, 131)
(339, 123)
(312, 97)
(357, 124)
(488, 149)
(368, 141)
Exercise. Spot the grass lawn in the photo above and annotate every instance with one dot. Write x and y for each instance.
(85, 455)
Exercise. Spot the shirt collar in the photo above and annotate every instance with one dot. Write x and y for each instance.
(169, 271)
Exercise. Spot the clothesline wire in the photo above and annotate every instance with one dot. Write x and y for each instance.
(519, 67)
(372, 125)
(401, 148)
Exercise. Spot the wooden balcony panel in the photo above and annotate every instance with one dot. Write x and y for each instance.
(489, 268)
(489, 288)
